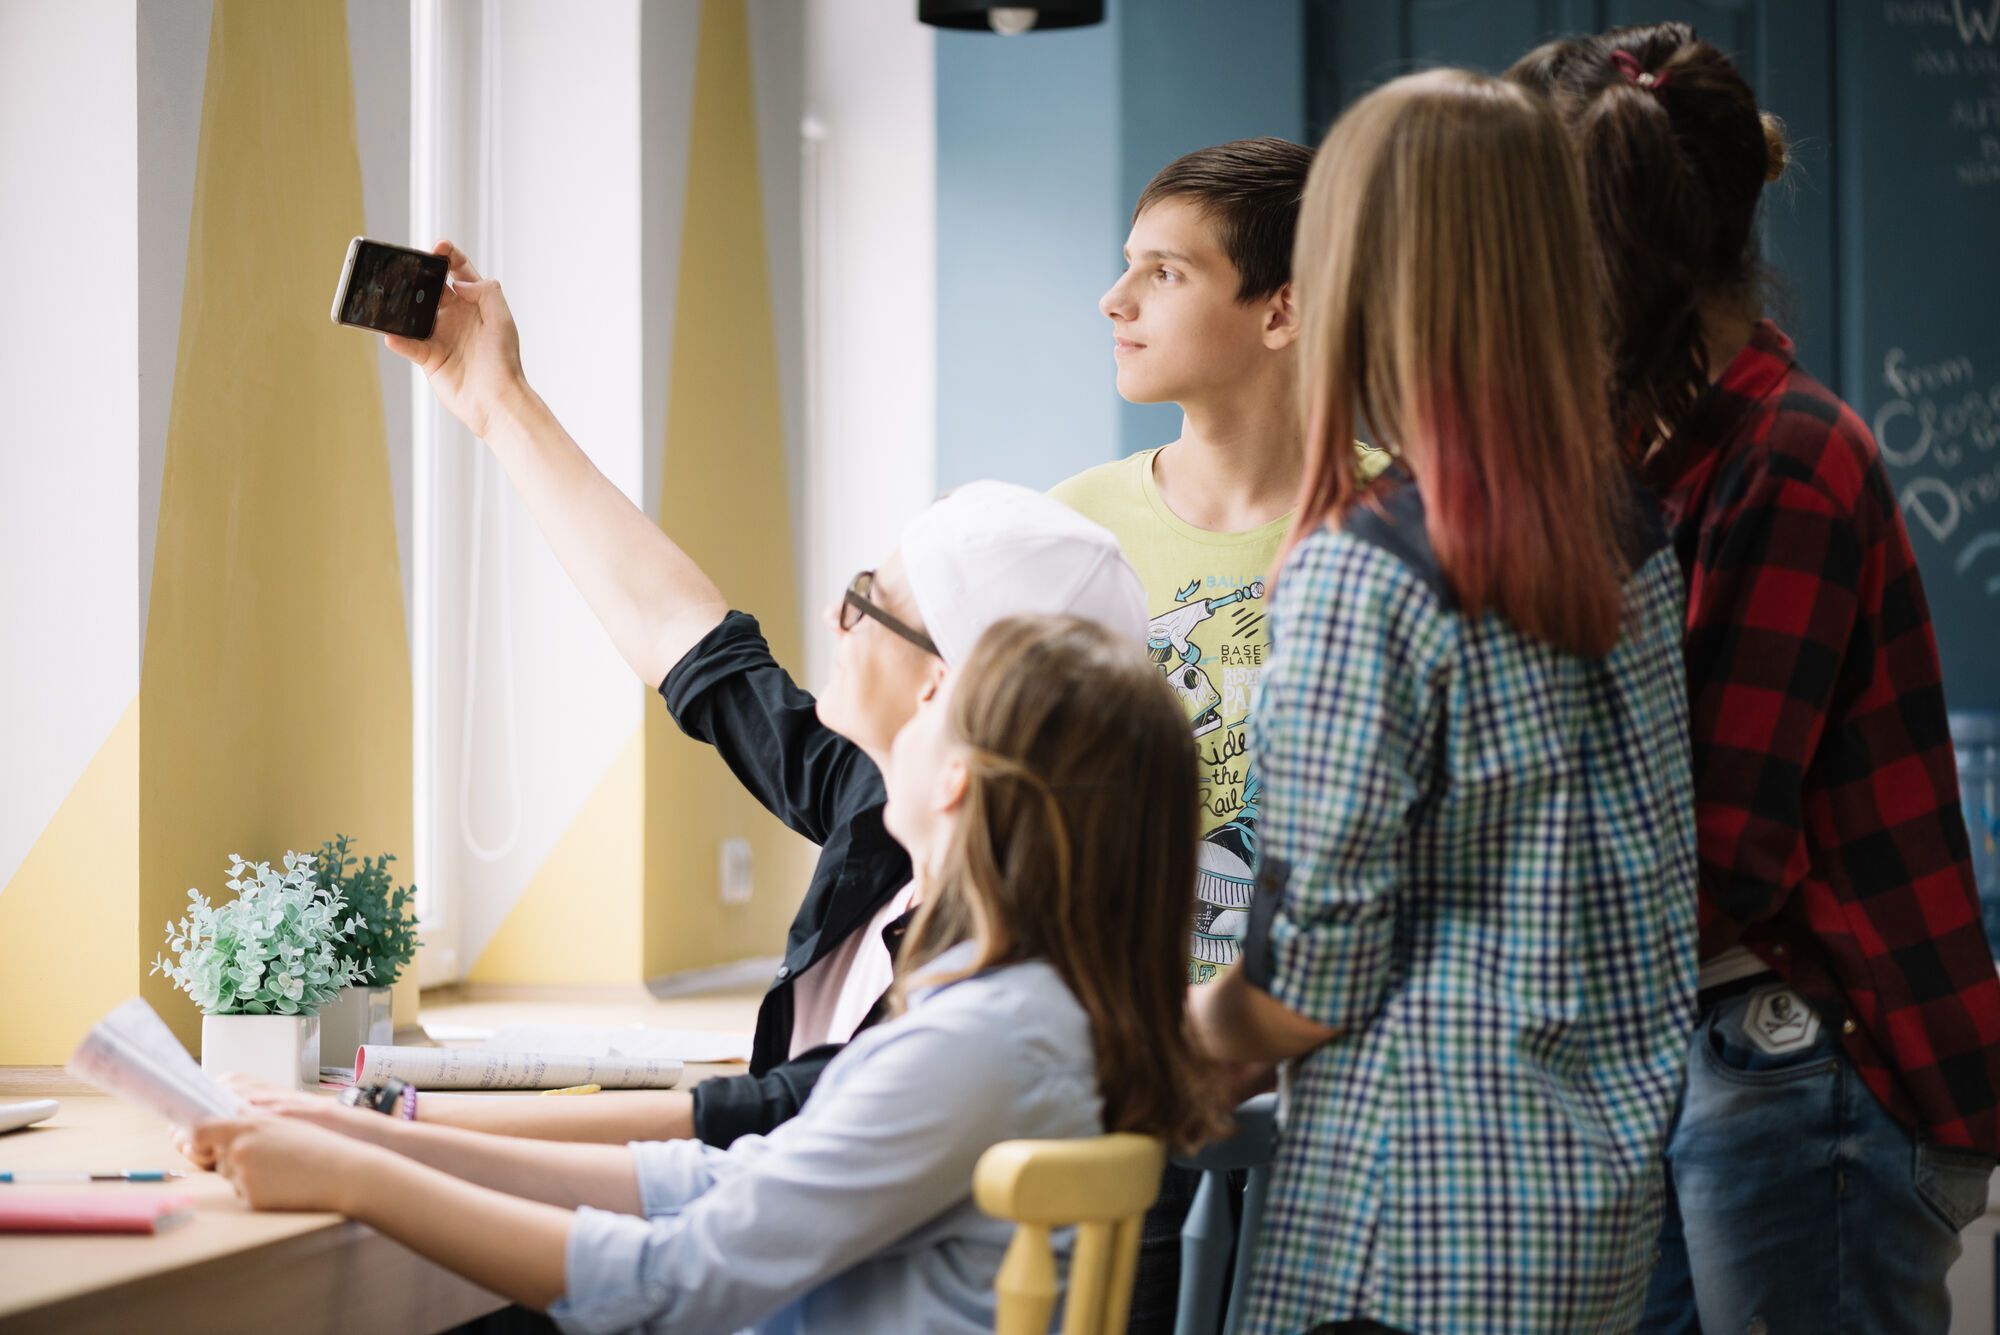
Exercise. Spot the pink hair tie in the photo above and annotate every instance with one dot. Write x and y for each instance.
(1629, 66)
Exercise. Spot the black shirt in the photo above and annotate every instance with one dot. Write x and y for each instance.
(729, 692)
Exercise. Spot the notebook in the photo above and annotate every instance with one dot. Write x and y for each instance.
(92, 1212)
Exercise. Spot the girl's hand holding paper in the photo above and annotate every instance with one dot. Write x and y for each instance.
(132, 1055)
(282, 1163)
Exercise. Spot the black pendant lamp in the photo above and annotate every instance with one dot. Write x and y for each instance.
(1010, 20)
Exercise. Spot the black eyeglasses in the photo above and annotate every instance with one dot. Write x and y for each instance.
(856, 604)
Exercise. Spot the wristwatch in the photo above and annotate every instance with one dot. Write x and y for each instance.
(391, 1097)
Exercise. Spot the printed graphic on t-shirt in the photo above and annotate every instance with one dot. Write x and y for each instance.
(1210, 646)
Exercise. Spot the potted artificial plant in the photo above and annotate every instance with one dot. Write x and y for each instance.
(383, 941)
(260, 966)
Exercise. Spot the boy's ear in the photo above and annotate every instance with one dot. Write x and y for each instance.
(1281, 320)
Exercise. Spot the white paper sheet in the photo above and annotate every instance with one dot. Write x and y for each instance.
(688, 1045)
(132, 1055)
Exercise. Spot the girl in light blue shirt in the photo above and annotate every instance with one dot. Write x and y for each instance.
(1045, 793)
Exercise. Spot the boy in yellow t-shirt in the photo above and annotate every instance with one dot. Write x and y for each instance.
(1203, 318)
(1205, 595)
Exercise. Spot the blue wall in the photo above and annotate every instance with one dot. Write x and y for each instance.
(1027, 200)
(1043, 143)
(1196, 73)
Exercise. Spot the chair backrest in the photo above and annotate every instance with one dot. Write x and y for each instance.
(1103, 1185)
(1211, 1232)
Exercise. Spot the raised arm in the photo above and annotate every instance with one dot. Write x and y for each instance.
(650, 596)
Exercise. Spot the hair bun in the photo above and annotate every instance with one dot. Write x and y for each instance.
(1776, 152)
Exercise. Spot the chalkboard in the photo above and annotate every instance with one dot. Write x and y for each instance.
(1885, 235)
(1917, 89)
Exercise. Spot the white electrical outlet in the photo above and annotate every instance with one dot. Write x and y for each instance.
(735, 875)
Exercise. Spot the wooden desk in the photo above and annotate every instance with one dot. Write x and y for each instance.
(232, 1270)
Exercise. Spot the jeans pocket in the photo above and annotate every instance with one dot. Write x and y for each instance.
(1953, 1183)
(1738, 1041)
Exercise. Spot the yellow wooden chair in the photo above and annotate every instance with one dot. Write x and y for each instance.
(1103, 1185)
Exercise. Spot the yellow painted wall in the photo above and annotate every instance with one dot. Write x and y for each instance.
(67, 915)
(275, 697)
(274, 705)
(578, 920)
(724, 500)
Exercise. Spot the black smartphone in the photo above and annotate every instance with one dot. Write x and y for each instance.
(393, 289)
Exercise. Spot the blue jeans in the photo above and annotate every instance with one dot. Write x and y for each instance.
(1795, 1203)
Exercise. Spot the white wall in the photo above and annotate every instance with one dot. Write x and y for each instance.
(69, 380)
(870, 200)
(588, 132)
(590, 151)
(525, 708)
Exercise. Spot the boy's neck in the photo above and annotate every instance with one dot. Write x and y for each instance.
(1236, 466)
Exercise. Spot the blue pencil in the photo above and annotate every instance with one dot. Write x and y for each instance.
(65, 1175)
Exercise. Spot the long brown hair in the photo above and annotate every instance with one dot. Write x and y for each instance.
(1675, 156)
(1445, 287)
(1075, 845)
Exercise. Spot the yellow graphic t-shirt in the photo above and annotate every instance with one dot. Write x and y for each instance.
(1205, 594)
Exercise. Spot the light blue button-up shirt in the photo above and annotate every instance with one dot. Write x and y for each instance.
(857, 1214)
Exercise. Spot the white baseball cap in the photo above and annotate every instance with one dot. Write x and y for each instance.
(990, 550)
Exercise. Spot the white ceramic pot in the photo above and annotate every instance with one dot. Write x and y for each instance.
(281, 1049)
(358, 1015)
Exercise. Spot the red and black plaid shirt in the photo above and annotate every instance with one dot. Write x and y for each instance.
(1831, 838)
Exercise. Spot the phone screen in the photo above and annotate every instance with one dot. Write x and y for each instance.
(391, 288)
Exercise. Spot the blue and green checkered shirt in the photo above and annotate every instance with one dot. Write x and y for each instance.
(1481, 868)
